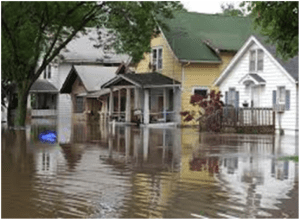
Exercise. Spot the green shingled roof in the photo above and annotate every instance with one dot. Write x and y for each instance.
(189, 31)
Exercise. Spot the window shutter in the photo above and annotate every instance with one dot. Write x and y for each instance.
(226, 98)
(226, 103)
(287, 99)
(274, 98)
(237, 99)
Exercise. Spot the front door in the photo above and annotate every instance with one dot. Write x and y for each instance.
(255, 93)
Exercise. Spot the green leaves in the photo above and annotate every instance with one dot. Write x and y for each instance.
(34, 33)
(278, 21)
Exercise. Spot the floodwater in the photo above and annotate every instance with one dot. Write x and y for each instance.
(97, 171)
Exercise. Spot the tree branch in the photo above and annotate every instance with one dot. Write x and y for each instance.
(48, 59)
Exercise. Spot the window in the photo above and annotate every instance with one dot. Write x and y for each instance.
(79, 105)
(157, 58)
(231, 96)
(49, 71)
(256, 61)
(45, 74)
(203, 91)
(281, 94)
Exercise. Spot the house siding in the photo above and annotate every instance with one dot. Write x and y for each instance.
(194, 75)
(273, 76)
(64, 100)
(201, 75)
(78, 88)
(171, 66)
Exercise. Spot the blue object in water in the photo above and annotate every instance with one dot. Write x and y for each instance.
(48, 137)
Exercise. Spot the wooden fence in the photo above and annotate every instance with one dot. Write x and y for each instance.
(248, 120)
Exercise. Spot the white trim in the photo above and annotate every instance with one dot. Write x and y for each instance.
(278, 95)
(249, 77)
(157, 48)
(241, 51)
(163, 86)
(200, 88)
(168, 45)
(129, 80)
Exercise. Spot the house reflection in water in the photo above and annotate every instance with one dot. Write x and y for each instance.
(144, 148)
(251, 170)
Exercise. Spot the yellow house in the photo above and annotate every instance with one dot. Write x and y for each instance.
(195, 50)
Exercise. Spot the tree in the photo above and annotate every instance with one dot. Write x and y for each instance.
(278, 21)
(229, 10)
(209, 113)
(34, 33)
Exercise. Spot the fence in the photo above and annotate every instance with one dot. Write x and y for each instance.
(245, 120)
(249, 120)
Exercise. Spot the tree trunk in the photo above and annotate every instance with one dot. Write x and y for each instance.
(22, 107)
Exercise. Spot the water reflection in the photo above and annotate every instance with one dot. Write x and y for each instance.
(97, 170)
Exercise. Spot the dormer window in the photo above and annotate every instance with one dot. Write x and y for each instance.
(157, 58)
(256, 60)
(47, 72)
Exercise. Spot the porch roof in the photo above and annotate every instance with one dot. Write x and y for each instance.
(144, 80)
(255, 78)
(98, 93)
(43, 86)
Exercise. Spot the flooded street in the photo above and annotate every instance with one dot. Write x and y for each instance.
(97, 171)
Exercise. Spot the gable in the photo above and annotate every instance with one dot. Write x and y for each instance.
(91, 76)
(243, 54)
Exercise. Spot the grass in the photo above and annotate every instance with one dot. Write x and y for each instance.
(293, 158)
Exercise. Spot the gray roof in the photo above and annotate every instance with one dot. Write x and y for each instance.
(92, 77)
(98, 93)
(291, 65)
(142, 80)
(257, 77)
(42, 85)
(82, 49)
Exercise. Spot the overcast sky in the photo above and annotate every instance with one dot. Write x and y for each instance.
(208, 6)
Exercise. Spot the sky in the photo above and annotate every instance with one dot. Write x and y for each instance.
(209, 7)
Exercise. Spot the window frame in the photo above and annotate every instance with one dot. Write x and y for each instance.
(229, 96)
(256, 60)
(76, 104)
(279, 101)
(200, 88)
(155, 63)
(49, 71)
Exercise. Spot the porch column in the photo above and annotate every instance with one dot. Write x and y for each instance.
(136, 99)
(145, 142)
(177, 105)
(128, 106)
(165, 103)
(111, 102)
(146, 106)
(127, 142)
(119, 104)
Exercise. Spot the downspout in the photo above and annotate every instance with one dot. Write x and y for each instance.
(183, 74)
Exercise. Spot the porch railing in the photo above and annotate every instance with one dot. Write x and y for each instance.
(157, 117)
(256, 118)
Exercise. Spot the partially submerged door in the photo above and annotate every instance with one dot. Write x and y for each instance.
(255, 93)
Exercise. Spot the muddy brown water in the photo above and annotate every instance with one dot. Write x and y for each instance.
(96, 171)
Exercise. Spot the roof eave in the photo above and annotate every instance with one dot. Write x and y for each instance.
(201, 61)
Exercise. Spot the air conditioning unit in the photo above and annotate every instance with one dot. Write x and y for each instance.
(280, 108)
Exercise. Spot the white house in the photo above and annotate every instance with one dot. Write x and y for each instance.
(82, 50)
(255, 77)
